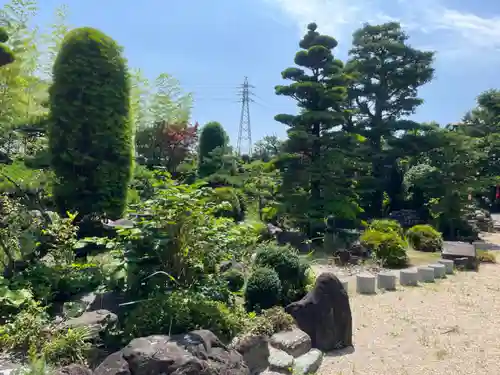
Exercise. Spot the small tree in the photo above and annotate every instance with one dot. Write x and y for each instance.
(316, 165)
(166, 144)
(268, 147)
(387, 75)
(90, 134)
(212, 147)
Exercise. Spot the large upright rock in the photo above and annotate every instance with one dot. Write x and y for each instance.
(196, 353)
(325, 314)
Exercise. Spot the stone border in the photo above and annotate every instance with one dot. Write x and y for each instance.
(368, 283)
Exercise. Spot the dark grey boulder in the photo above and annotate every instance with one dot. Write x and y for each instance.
(325, 314)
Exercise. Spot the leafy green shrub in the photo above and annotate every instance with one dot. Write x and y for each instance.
(387, 247)
(12, 300)
(263, 289)
(68, 346)
(202, 241)
(90, 132)
(26, 178)
(60, 282)
(228, 194)
(25, 330)
(484, 256)
(271, 321)
(31, 330)
(212, 145)
(235, 279)
(183, 311)
(386, 226)
(425, 238)
(292, 272)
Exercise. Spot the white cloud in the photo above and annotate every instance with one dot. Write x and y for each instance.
(429, 22)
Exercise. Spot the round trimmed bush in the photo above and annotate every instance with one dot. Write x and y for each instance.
(425, 238)
(387, 247)
(90, 130)
(235, 279)
(386, 226)
(263, 289)
(292, 272)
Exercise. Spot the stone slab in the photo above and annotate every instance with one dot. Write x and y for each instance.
(308, 363)
(366, 283)
(279, 360)
(463, 249)
(294, 342)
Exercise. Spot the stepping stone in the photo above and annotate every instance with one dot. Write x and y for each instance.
(455, 250)
(279, 360)
(386, 280)
(345, 284)
(365, 284)
(448, 264)
(295, 342)
(409, 277)
(426, 274)
(439, 270)
(308, 363)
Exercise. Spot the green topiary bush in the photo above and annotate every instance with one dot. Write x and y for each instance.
(425, 238)
(263, 289)
(235, 279)
(292, 272)
(386, 225)
(387, 247)
(212, 145)
(90, 132)
(181, 312)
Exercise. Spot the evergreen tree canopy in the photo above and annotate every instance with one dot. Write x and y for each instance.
(316, 178)
(387, 73)
(91, 133)
(212, 146)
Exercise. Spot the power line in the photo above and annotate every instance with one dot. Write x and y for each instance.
(245, 130)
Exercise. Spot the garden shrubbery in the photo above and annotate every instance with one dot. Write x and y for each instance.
(425, 238)
(263, 289)
(181, 312)
(387, 247)
(90, 130)
(291, 270)
(386, 226)
(235, 279)
(228, 195)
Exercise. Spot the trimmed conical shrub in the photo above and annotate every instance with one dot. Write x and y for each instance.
(91, 133)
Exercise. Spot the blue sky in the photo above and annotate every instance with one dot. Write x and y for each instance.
(210, 45)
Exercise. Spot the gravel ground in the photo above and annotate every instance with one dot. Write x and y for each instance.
(450, 327)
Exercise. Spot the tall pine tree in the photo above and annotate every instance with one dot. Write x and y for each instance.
(388, 73)
(316, 179)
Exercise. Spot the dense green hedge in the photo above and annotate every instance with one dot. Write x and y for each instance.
(424, 237)
(91, 134)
